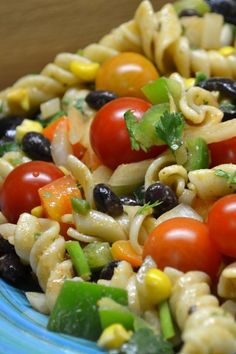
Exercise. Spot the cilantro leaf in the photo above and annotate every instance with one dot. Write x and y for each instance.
(200, 77)
(145, 341)
(80, 104)
(229, 176)
(170, 129)
(131, 124)
(146, 207)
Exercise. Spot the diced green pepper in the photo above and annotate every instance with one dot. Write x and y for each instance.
(158, 91)
(76, 310)
(98, 254)
(111, 312)
(80, 206)
(200, 6)
(198, 154)
(78, 259)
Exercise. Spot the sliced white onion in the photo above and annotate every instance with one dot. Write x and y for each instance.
(60, 146)
(49, 108)
(181, 210)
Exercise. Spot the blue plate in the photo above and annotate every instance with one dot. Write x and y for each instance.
(23, 330)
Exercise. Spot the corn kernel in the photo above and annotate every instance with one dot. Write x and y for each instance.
(27, 126)
(20, 97)
(189, 82)
(84, 71)
(114, 336)
(37, 211)
(158, 285)
(225, 51)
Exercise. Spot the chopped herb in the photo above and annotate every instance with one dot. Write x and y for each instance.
(229, 176)
(66, 101)
(227, 106)
(146, 207)
(145, 341)
(37, 235)
(7, 147)
(79, 105)
(200, 77)
(170, 129)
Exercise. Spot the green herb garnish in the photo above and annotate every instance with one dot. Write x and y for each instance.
(147, 206)
(79, 105)
(170, 129)
(200, 77)
(229, 176)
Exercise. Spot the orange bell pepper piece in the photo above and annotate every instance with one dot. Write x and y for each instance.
(123, 251)
(49, 131)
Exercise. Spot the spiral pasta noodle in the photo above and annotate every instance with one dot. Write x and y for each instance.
(53, 81)
(226, 287)
(203, 323)
(37, 242)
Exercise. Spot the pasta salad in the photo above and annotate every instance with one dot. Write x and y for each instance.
(117, 184)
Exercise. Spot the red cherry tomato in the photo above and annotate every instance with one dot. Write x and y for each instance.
(109, 136)
(20, 189)
(183, 243)
(125, 74)
(223, 152)
(222, 224)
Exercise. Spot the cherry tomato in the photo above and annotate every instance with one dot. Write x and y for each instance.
(222, 224)
(109, 136)
(20, 189)
(183, 243)
(223, 152)
(125, 74)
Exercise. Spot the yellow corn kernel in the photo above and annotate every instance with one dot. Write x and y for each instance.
(27, 126)
(37, 211)
(158, 285)
(114, 336)
(84, 71)
(189, 82)
(19, 96)
(225, 51)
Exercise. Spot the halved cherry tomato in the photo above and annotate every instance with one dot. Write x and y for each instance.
(109, 136)
(222, 224)
(183, 243)
(20, 189)
(223, 152)
(125, 74)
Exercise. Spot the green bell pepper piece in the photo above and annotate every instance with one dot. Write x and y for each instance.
(76, 311)
(111, 312)
(98, 255)
(198, 154)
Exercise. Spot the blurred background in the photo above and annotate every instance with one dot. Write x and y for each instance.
(32, 32)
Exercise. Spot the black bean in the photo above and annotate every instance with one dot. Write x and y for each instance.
(227, 8)
(189, 12)
(97, 99)
(8, 127)
(106, 200)
(5, 247)
(108, 271)
(227, 87)
(163, 193)
(128, 200)
(14, 272)
(36, 146)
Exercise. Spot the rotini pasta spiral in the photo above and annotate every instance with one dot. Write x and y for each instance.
(204, 325)
(53, 81)
(37, 241)
(227, 283)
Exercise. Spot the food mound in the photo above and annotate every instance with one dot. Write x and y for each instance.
(118, 180)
